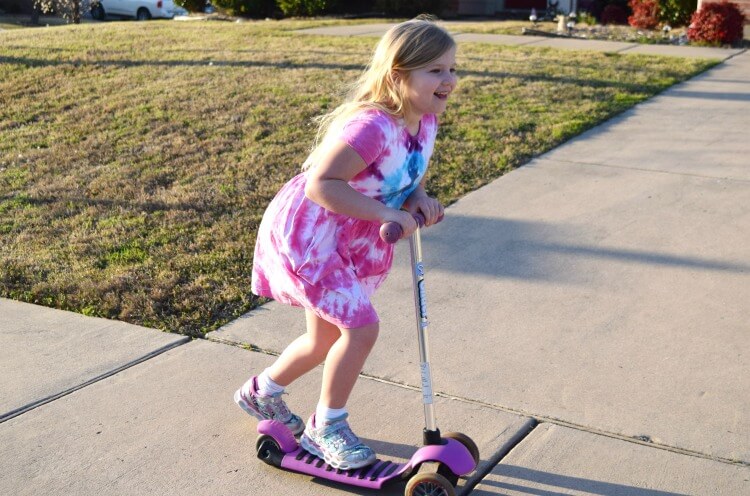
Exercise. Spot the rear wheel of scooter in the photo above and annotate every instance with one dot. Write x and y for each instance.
(470, 445)
(269, 450)
(429, 484)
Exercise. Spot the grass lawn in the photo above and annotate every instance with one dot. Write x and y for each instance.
(136, 159)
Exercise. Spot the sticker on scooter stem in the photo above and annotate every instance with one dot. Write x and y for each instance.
(426, 383)
(419, 268)
(422, 304)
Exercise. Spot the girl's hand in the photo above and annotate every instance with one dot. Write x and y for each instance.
(429, 207)
(402, 218)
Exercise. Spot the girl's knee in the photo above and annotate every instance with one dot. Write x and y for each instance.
(366, 335)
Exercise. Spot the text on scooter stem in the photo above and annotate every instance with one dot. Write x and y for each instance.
(419, 268)
(426, 383)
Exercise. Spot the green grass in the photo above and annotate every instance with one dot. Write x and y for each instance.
(136, 159)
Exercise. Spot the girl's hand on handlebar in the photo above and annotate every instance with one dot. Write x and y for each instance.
(429, 207)
(402, 218)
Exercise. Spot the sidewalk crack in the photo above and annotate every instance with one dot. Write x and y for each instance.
(109, 373)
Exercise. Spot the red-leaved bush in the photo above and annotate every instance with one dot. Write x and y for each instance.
(614, 14)
(645, 14)
(717, 23)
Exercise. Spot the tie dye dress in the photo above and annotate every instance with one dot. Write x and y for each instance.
(330, 263)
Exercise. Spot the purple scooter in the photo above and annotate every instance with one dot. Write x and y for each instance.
(455, 454)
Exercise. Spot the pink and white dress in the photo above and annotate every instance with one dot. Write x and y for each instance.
(330, 263)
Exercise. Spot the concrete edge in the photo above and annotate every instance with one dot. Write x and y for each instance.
(49, 399)
(215, 337)
(506, 448)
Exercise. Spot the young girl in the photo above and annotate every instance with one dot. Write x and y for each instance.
(318, 245)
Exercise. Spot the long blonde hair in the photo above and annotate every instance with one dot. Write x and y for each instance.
(405, 47)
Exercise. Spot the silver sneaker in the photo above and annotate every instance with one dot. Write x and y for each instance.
(335, 443)
(268, 408)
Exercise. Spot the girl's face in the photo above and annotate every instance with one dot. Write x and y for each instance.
(427, 89)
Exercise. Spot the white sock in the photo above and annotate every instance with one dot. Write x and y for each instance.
(324, 414)
(266, 385)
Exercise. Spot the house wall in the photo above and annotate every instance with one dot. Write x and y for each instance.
(491, 7)
(745, 5)
(479, 7)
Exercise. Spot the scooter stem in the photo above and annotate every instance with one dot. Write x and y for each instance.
(431, 432)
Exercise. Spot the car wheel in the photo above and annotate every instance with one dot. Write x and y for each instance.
(143, 14)
(97, 12)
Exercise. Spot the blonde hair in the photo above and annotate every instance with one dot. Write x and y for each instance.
(405, 47)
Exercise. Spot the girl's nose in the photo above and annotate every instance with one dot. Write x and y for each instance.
(452, 79)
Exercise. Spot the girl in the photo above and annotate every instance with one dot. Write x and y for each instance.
(318, 245)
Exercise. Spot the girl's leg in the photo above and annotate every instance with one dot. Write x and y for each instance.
(301, 356)
(330, 437)
(344, 362)
(306, 352)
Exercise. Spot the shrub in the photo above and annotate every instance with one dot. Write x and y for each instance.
(586, 18)
(414, 7)
(717, 23)
(677, 12)
(614, 14)
(645, 14)
(596, 7)
(302, 7)
(248, 8)
(192, 5)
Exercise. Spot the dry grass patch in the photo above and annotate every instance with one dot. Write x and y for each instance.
(136, 159)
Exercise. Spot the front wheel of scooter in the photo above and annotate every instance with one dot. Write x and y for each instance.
(269, 450)
(470, 445)
(467, 442)
(429, 484)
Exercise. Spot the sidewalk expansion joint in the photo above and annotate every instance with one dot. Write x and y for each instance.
(238, 344)
(498, 457)
(643, 169)
(538, 419)
(535, 418)
(110, 373)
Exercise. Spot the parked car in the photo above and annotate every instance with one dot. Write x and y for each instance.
(142, 10)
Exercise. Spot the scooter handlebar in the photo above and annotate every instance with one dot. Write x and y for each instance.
(390, 232)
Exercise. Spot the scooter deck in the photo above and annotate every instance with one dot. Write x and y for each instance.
(373, 476)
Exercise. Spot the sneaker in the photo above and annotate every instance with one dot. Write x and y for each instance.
(268, 408)
(335, 443)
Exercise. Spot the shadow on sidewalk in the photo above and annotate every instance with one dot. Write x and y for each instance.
(713, 95)
(538, 250)
(568, 483)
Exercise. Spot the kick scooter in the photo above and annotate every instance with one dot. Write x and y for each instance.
(454, 454)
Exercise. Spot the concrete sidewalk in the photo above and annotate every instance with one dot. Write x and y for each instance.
(589, 331)
(562, 43)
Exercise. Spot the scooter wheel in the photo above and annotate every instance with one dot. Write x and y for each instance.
(470, 445)
(269, 450)
(466, 441)
(429, 484)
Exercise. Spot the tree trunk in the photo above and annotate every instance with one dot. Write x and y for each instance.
(35, 14)
(76, 11)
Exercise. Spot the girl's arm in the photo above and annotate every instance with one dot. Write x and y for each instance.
(328, 186)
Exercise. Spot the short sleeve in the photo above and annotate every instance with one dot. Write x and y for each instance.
(366, 134)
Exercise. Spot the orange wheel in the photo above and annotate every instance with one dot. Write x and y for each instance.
(429, 484)
(466, 441)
